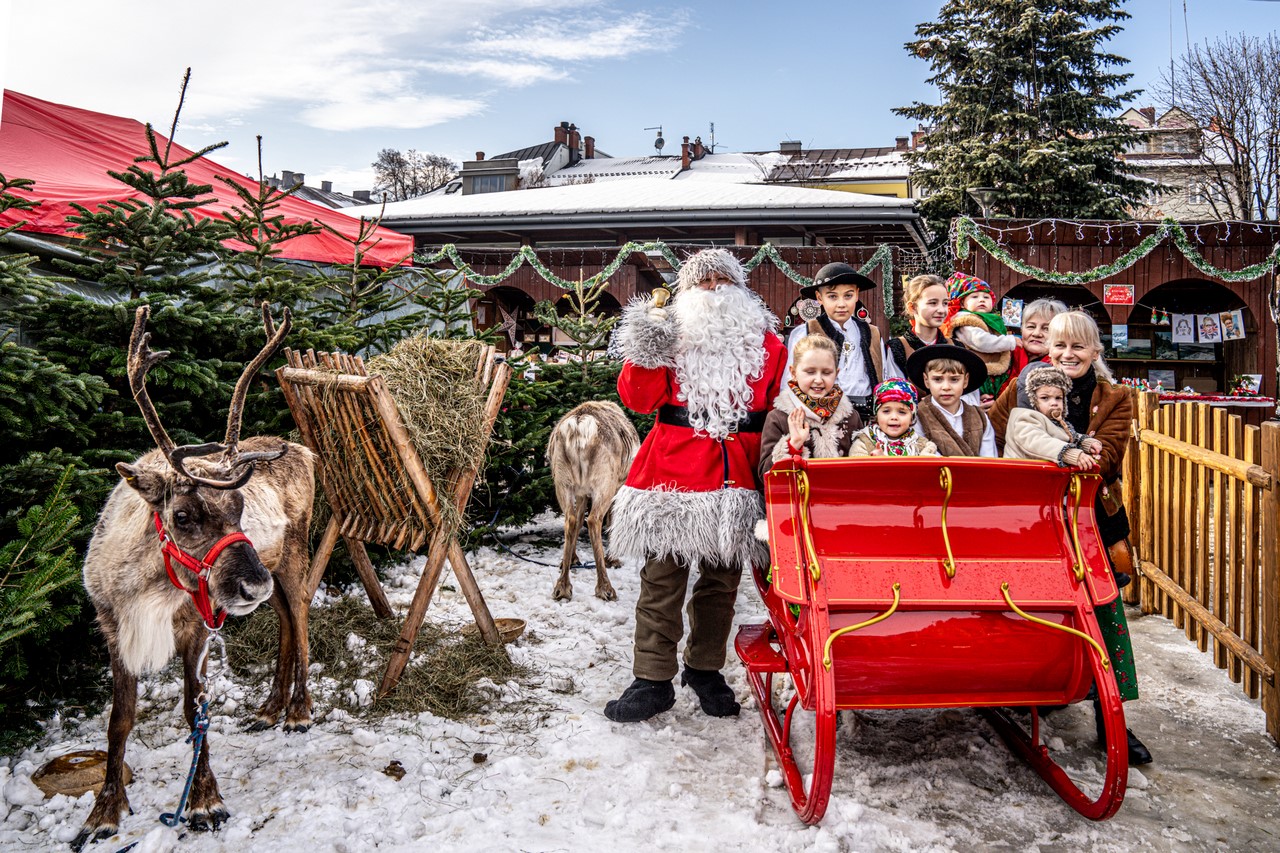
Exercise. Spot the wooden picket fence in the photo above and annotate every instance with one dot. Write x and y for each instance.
(1203, 495)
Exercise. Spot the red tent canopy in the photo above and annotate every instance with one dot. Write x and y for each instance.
(67, 152)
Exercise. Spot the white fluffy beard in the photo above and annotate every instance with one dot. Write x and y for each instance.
(719, 354)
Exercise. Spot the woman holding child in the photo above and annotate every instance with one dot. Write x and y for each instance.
(1099, 412)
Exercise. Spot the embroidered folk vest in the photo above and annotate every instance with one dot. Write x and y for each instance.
(936, 428)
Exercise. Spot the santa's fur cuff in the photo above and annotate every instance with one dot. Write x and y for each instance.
(643, 341)
(716, 528)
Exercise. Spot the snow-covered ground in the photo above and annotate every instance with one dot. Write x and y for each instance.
(543, 770)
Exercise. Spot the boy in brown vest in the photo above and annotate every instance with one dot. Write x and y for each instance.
(946, 373)
(861, 351)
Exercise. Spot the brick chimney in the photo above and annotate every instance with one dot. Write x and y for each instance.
(900, 143)
(698, 150)
(589, 147)
(326, 186)
(562, 133)
(361, 195)
(684, 154)
(1150, 113)
(288, 180)
(917, 138)
(575, 144)
(479, 155)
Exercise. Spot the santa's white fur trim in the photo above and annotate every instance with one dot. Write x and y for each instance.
(699, 265)
(716, 528)
(643, 341)
(762, 530)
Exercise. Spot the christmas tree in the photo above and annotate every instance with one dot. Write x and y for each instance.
(1029, 106)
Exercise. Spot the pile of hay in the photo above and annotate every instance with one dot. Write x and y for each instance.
(441, 677)
(433, 383)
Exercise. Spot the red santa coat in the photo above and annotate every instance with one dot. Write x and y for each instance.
(689, 495)
(676, 457)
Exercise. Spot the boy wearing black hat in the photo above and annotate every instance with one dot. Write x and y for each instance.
(861, 351)
(946, 373)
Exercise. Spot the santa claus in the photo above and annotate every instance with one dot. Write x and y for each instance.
(710, 366)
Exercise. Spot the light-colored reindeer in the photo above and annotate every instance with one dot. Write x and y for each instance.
(189, 535)
(590, 452)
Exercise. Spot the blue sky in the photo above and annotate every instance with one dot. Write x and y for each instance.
(329, 83)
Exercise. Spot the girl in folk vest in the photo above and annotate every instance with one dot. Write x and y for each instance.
(861, 362)
(891, 435)
(812, 416)
(947, 373)
(926, 301)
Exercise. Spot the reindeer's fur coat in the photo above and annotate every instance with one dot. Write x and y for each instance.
(590, 452)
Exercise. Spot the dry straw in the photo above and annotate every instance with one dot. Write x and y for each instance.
(441, 678)
(435, 387)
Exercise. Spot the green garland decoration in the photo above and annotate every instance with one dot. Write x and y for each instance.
(968, 231)
(882, 258)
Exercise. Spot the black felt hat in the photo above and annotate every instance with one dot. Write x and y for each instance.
(836, 273)
(918, 365)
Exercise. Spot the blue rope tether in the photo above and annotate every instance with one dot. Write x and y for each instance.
(196, 739)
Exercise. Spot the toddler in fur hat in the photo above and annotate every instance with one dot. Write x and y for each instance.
(1042, 431)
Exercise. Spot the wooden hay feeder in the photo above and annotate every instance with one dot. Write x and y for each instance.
(377, 486)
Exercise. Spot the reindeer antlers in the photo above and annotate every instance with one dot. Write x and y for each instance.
(275, 337)
(142, 359)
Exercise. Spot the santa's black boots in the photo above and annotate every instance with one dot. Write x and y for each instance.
(713, 694)
(642, 700)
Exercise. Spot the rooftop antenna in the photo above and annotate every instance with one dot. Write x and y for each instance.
(713, 138)
(659, 142)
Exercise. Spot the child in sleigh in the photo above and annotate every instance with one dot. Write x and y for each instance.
(1041, 431)
(812, 416)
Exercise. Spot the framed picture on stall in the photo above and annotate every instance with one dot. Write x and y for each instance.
(1162, 345)
(1197, 352)
(1163, 378)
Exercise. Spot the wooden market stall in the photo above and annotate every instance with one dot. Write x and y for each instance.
(1184, 309)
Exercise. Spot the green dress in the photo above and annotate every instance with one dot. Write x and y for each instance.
(1115, 636)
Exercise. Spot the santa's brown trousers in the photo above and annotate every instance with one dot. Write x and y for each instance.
(659, 622)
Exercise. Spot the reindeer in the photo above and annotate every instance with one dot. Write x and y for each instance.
(246, 507)
(590, 452)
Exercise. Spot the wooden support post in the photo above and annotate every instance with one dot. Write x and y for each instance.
(1270, 591)
(368, 577)
(321, 558)
(1131, 482)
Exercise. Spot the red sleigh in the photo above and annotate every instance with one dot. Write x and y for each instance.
(932, 583)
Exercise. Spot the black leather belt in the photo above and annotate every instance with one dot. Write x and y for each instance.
(679, 416)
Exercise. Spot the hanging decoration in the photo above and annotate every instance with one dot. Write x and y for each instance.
(882, 258)
(967, 231)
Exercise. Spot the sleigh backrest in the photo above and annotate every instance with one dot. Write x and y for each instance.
(948, 531)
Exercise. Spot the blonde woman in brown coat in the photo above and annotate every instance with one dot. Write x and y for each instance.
(1096, 405)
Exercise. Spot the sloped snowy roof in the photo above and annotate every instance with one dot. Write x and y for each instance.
(637, 196)
(616, 168)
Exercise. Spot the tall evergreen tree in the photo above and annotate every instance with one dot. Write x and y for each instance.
(44, 406)
(1029, 108)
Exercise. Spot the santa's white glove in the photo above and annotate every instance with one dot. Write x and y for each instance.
(656, 314)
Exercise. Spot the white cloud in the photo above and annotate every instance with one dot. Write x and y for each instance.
(514, 74)
(330, 64)
(584, 39)
(402, 111)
